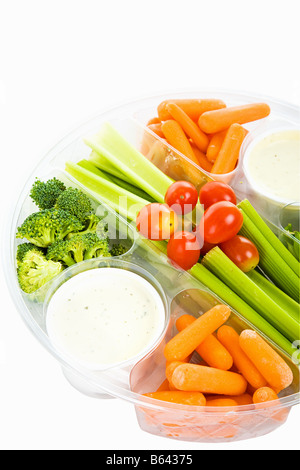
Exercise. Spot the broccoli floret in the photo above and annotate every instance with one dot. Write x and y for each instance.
(118, 250)
(92, 224)
(23, 249)
(47, 226)
(76, 202)
(79, 248)
(96, 247)
(59, 251)
(35, 271)
(45, 194)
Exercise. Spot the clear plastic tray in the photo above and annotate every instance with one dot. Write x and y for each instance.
(181, 293)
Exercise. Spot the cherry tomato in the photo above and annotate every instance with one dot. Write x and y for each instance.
(184, 250)
(216, 191)
(220, 222)
(242, 252)
(182, 197)
(157, 221)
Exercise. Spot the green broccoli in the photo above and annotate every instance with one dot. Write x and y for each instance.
(96, 247)
(45, 194)
(47, 226)
(23, 249)
(92, 224)
(76, 202)
(79, 248)
(59, 251)
(118, 250)
(34, 271)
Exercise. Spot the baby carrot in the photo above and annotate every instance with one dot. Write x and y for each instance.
(230, 150)
(195, 378)
(220, 402)
(185, 342)
(192, 107)
(156, 128)
(176, 137)
(221, 119)
(191, 129)
(154, 120)
(269, 363)
(182, 398)
(211, 350)
(202, 160)
(169, 371)
(215, 145)
(244, 399)
(230, 340)
(164, 386)
(263, 395)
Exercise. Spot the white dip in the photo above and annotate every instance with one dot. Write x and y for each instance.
(105, 316)
(273, 166)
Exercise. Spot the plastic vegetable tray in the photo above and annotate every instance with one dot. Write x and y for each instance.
(180, 292)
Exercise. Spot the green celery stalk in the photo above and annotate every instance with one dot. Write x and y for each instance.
(114, 179)
(103, 164)
(218, 263)
(267, 233)
(280, 297)
(107, 192)
(214, 284)
(128, 160)
(273, 265)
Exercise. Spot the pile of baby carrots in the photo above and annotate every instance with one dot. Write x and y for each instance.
(206, 131)
(235, 369)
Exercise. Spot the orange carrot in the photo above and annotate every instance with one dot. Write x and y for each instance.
(164, 386)
(215, 145)
(154, 120)
(229, 153)
(182, 398)
(192, 107)
(169, 371)
(240, 400)
(220, 402)
(185, 342)
(211, 350)
(221, 119)
(156, 128)
(202, 160)
(269, 363)
(194, 378)
(191, 129)
(264, 394)
(230, 340)
(176, 137)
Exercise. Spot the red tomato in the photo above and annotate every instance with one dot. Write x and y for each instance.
(182, 197)
(242, 252)
(216, 191)
(184, 249)
(220, 222)
(156, 221)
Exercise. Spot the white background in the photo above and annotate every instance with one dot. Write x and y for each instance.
(63, 61)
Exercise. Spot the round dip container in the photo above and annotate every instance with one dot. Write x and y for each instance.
(105, 317)
(271, 165)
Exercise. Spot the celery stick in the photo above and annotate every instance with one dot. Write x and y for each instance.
(103, 164)
(218, 263)
(119, 182)
(266, 232)
(93, 169)
(270, 261)
(232, 299)
(280, 297)
(131, 162)
(122, 201)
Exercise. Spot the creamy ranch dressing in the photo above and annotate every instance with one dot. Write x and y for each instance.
(273, 165)
(105, 316)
